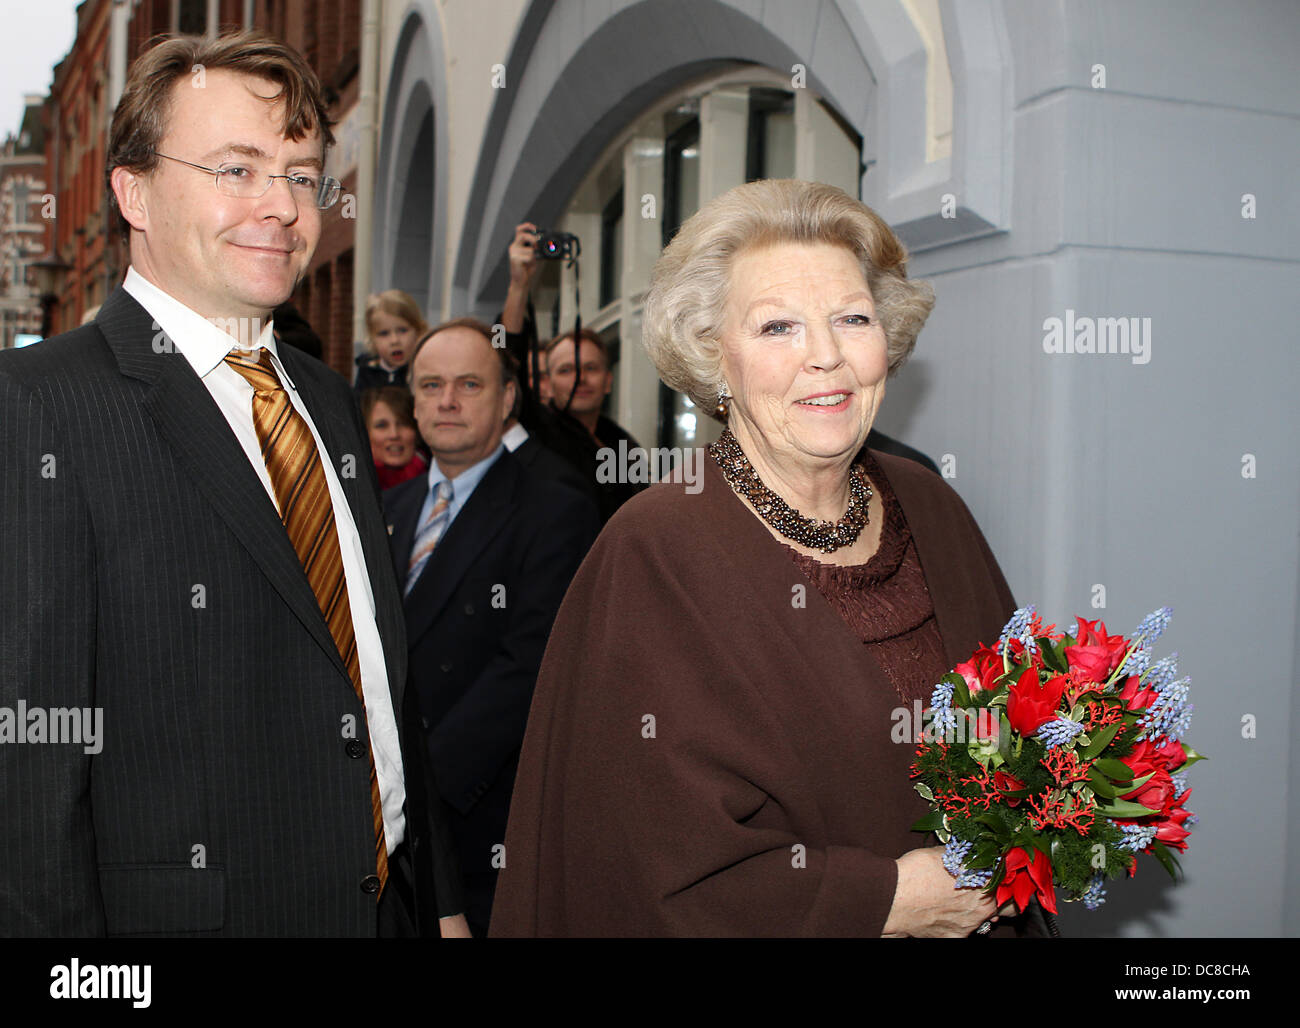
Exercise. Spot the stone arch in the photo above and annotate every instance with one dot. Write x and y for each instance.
(410, 189)
(574, 81)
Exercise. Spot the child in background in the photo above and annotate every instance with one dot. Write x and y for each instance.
(393, 324)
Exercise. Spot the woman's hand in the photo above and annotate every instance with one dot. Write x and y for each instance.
(925, 902)
(454, 927)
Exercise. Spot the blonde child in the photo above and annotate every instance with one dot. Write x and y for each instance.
(393, 325)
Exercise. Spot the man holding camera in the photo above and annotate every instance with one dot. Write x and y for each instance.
(578, 379)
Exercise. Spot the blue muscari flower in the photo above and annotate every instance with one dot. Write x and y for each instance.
(941, 707)
(1136, 837)
(1170, 715)
(1136, 662)
(1152, 625)
(973, 879)
(1146, 633)
(1179, 781)
(1161, 673)
(1058, 732)
(955, 851)
(1018, 628)
(1191, 820)
(1179, 727)
(1095, 894)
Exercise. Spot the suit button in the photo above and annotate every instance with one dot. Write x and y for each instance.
(425, 721)
(370, 884)
(355, 749)
(446, 667)
(469, 608)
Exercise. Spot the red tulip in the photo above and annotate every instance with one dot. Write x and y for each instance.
(1170, 830)
(1005, 782)
(1136, 696)
(1025, 877)
(1096, 654)
(1030, 705)
(982, 670)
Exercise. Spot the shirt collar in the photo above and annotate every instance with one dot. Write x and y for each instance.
(515, 436)
(202, 341)
(464, 483)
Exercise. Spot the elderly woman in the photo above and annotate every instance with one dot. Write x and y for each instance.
(709, 750)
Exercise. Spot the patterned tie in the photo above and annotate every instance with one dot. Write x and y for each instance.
(430, 532)
(298, 478)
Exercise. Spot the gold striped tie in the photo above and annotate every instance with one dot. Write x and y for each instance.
(298, 478)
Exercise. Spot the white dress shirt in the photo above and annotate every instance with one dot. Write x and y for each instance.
(205, 346)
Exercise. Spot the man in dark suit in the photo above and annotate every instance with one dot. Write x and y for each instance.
(195, 569)
(486, 548)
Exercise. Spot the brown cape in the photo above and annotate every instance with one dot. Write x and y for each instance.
(707, 755)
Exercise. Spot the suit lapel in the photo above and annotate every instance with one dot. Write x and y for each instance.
(190, 421)
(477, 524)
(403, 505)
(527, 452)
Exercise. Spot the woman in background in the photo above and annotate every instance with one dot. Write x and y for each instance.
(389, 416)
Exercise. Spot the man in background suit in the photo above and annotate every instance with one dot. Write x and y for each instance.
(486, 548)
(193, 567)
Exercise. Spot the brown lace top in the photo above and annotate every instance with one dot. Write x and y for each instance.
(885, 602)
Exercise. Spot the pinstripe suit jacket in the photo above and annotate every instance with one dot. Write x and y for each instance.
(146, 573)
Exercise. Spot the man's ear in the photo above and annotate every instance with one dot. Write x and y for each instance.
(508, 400)
(128, 190)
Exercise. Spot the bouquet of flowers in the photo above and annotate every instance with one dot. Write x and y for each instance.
(1054, 759)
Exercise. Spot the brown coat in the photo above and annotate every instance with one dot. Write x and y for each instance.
(706, 756)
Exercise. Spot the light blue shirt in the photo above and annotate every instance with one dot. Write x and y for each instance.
(462, 486)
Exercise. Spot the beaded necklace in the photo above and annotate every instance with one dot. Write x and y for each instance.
(810, 532)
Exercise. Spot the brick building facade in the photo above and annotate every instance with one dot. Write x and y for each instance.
(24, 227)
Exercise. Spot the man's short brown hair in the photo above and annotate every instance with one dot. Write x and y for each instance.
(140, 120)
(587, 335)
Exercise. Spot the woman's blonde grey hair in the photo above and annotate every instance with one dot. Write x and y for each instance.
(686, 304)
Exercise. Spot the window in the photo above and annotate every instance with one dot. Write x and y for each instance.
(681, 173)
(677, 421)
(611, 249)
(192, 17)
(770, 141)
(21, 202)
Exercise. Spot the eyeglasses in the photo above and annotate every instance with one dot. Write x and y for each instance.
(249, 182)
